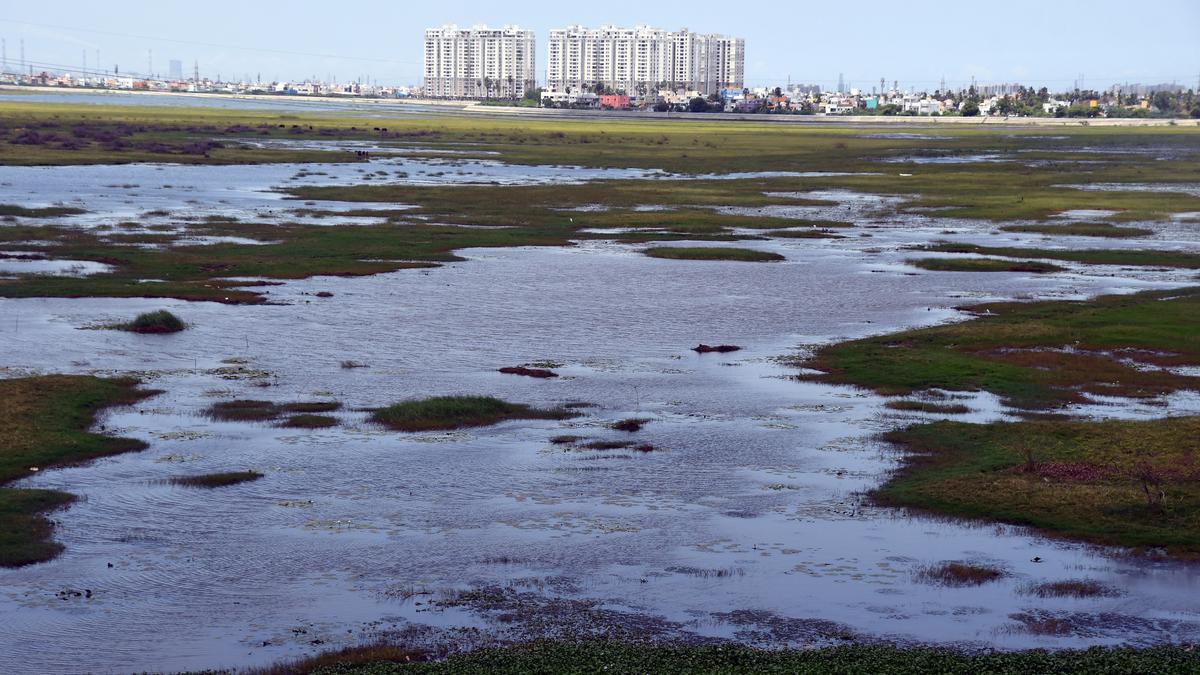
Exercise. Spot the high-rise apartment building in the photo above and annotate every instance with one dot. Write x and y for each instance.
(478, 62)
(642, 59)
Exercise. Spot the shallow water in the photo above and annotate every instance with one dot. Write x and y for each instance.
(751, 500)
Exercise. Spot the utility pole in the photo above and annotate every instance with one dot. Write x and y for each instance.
(22, 55)
(149, 63)
(196, 72)
(83, 73)
(3, 55)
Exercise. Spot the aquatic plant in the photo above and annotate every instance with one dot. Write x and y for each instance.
(310, 422)
(959, 574)
(157, 322)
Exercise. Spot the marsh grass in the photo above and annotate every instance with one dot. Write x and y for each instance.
(1107, 230)
(217, 480)
(43, 424)
(243, 410)
(157, 322)
(804, 234)
(539, 373)
(630, 425)
(1133, 483)
(247, 410)
(1130, 257)
(44, 212)
(928, 407)
(983, 265)
(309, 422)
(639, 656)
(1075, 588)
(457, 412)
(959, 574)
(1035, 355)
(712, 253)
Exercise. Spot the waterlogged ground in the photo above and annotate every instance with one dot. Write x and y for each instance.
(745, 522)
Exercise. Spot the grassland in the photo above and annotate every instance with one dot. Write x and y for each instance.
(1035, 355)
(43, 424)
(1126, 483)
(457, 412)
(621, 657)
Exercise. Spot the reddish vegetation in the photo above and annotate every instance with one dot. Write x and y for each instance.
(720, 349)
(1073, 471)
(529, 372)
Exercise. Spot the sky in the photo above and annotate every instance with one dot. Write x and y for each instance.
(1048, 43)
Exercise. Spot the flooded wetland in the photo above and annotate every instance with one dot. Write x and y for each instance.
(278, 383)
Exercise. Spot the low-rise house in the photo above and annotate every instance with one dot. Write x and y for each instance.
(614, 101)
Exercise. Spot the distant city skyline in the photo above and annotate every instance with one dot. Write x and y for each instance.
(1095, 44)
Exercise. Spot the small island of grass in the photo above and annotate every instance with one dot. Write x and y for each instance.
(1107, 230)
(43, 423)
(150, 323)
(216, 480)
(712, 253)
(983, 265)
(442, 413)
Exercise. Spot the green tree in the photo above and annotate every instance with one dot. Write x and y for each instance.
(969, 109)
(697, 105)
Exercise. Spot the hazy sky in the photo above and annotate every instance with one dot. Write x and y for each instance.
(918, 42)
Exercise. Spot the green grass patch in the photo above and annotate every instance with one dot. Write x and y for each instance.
(310, 422)
(43, 424)
(983, 265)
(1126, 483)
(1035, 355)
(457, 412)
(217, 480)
(1132, 257)
(597, 656)
(1107, 230)
(712, 253)
(158, 322)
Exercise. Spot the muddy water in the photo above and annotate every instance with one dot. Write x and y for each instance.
(744, 522)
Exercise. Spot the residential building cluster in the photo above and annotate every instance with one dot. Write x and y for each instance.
(483, 63)
(479, 62)
(203, 85)
(643, 59)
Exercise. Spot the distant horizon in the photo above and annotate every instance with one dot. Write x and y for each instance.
(1092, 45)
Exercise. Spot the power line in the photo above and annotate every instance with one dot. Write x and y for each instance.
(215, 45)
